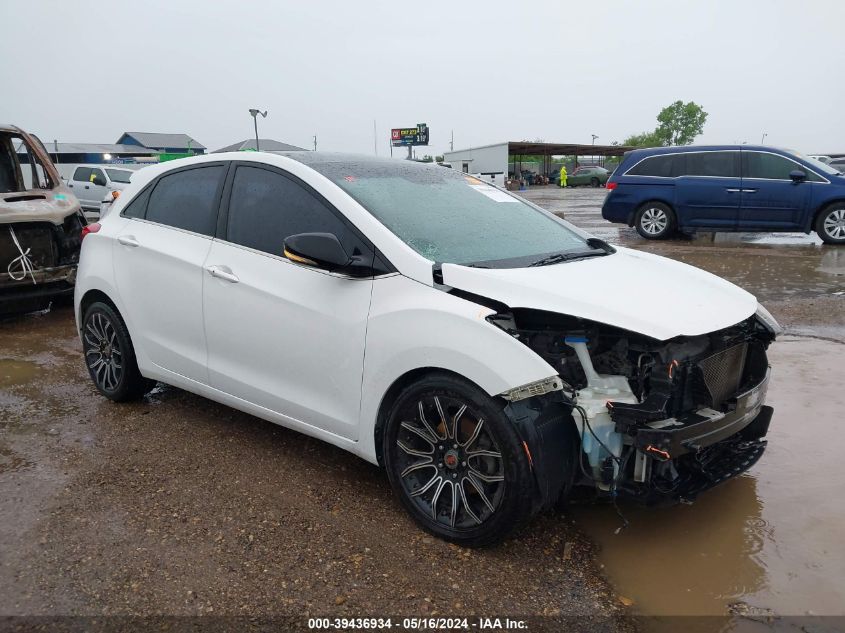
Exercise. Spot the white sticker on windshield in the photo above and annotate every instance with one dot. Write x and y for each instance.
(493, 193)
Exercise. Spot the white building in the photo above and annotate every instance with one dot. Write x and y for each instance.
(487, 160)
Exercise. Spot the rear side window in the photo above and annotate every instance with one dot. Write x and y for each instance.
(138, 207)
(187, 199)
(771, 167)
(713, 164)
(661, 166)
(267, 207)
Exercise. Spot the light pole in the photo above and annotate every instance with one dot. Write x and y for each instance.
(255, 112)
(763, 140)
(593, 157)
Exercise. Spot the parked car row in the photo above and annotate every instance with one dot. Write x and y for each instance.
(664, 190)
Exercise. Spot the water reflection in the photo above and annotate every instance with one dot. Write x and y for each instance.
(688, 559)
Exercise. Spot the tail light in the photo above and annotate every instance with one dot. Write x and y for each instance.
(90, 228)
(610, 185)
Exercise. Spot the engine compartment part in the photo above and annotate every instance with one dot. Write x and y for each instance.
(651, 415)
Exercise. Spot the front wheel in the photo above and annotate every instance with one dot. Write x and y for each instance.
(655, 221)
(594, 182)
(830, 225)
(456, 462)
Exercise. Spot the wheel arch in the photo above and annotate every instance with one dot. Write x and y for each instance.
(632, 216)
(393, 391)
(813, 218)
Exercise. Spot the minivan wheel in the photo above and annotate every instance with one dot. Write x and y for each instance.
(830, 225)
(456, 462)
(594, 182)
(109, 354)
(655, 221)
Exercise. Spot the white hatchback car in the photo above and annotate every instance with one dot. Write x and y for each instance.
(492, 357)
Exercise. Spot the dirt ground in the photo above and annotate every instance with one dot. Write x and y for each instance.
(179, 506)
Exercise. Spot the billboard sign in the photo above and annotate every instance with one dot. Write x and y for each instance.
(403, 136)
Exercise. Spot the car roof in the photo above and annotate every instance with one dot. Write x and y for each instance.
(678, 149)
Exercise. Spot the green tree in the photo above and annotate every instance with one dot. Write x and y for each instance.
(646, 139)
(680, 123)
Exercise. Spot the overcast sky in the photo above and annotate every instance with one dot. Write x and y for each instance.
(86, 71)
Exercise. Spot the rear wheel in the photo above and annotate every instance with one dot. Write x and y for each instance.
(456, 462)
(655, 221)
(594, 182)
(830, 224)
(109, 354)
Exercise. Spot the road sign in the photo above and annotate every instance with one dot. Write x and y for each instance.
(403, 136)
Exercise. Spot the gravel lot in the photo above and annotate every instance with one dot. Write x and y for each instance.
(179, 506)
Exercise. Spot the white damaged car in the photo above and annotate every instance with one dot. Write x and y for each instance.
(494, 359)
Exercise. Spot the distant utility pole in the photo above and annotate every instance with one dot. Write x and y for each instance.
(56, 147)
(452, 142)
(375, 138)
(255, 112)
(763, 140)
(315, 142)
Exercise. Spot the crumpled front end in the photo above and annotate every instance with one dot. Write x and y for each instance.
(656, 421)
(40, 226)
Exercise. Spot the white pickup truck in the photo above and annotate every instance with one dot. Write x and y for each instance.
(92, 183)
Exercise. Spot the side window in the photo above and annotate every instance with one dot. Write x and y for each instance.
(138, 207)
(660, 166)
(267, 207)
(715, 164)
(97, 176)
(82, 174)
(33, 172)
(771, 167)
(187, 199)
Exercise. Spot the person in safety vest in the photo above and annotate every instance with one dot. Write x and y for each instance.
(563, 175)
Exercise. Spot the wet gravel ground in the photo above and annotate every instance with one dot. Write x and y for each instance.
(179, 506)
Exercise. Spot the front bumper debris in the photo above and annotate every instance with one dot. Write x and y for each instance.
(692, 432)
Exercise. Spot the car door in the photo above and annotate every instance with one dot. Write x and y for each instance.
(708, 188)
(770, 198)
(281, 335)
(97, 186)
(158, 265)
(80, 183)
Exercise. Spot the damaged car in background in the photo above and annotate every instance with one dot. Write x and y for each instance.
(494, 359)
(40, 226)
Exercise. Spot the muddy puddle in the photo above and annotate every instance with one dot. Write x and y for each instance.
(770, 541)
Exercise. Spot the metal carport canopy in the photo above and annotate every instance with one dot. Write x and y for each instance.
(525, 148)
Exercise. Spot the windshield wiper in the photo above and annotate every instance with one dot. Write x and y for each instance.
(602, 248)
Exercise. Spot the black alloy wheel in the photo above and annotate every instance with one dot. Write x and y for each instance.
(456, 462)
(109, 355)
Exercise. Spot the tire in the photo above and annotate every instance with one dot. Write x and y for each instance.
(830, 224)
(594, 182)
(109, 355)
(456, 462)
(655, 221)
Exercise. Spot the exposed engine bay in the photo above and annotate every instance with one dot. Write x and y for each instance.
(657, 420)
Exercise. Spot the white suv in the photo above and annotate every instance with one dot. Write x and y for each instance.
(489, 355)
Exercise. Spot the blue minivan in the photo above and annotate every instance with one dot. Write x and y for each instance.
(726, 188)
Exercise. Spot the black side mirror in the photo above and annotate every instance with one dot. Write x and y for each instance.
(324, 250)
(797, 176)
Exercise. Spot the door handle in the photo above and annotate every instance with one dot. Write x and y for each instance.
(128, 240)
(87, 187)
(732, 190)
(222, 273)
